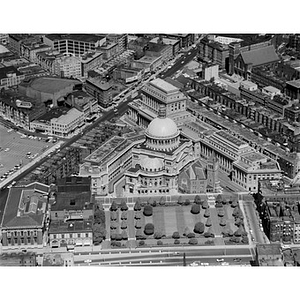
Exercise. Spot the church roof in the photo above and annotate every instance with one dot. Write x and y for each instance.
(260, 56)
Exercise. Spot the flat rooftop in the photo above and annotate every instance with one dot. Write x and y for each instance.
(253, 156)
(163, 85)
(54, 113)
(89, 38)
(72, 201)
(50, 84)
(69, 117)
(70, 226)
(227, 136)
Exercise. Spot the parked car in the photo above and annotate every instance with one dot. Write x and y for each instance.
(220, 259)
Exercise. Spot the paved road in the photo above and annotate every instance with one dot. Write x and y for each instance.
(251, 216)
(169, 256)
(180, 63)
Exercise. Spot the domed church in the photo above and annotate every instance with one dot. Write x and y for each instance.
(158, 161)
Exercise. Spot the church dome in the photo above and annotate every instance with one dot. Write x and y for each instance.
(162, 128)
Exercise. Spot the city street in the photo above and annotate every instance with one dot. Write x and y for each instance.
(234, 255)
(186, 58)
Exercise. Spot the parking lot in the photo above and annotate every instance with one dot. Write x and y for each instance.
(14, 149)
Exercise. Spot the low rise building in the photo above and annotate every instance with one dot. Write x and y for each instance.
(101, 90)
(78, 44)
(148, 63)
(72, 214)
(268, 255)
(24, 222)
(293, 89)
(90, 61)
(270, 91)
(62, 123)
(19, 109)
(175, 43)
(9, 77)
(49, 90)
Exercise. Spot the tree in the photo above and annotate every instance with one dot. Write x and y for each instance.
(224, 201)
(176, 242)
(159, 243)
(205, 204)
(149, 229)
(208, 222)
(150, 201)
(207, 213)
(199, 227)
(124, 206)
(124, 215)
(195, 209)
(187, 202)
(157, 235)
(138, 215)
(154, 203)
(123, 224)
(113, 215)
(222, 222)
(124, 235)
(221, 212)
(118, 237)
(186, 231)
(99, 233)
(114, 206)
(180, 200)
(137, 206)
(148, 211)
(191, 235)
(245, 240)
(138, 224)
(141, 243)
(162, 201)
(218, 205)
(139, 233)
(238, 222)
(99, 216)
(193, 241)
(197, 200)
(238, 232)
(219, 198)
(234, 203)
(234, 239)
(176, 235)
(235, 211)
(113, 225)
(116, 244)
(230, 232)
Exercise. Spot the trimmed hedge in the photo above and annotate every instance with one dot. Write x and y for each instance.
(193, 241)
(124, 206)
(191, 235)
(137, 206)
(195, 209)
(176, 242)
(149, 229)
(114, 206)
(176, 235)
(158, 235)
(159, 243)
(199, 227)
(148, 211)
(197, 200)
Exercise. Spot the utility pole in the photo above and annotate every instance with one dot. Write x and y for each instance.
(184, 260)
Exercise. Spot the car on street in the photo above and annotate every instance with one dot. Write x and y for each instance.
(6, 149)
(88, 261)
(220, 259)
(237, 259)
(195, 264)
